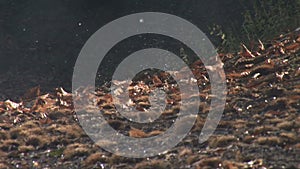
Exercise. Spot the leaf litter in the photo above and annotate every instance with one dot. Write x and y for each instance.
(260, 127)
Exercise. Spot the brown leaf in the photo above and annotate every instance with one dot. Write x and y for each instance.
(137, 133)
(245, 52)
(60, 91)
(154, 133)
(10, 105)
(157, 82)
(294, 46)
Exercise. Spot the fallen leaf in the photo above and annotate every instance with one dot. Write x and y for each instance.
(245, 52)
(137, 133)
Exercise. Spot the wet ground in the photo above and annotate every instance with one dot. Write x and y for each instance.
(260, 126)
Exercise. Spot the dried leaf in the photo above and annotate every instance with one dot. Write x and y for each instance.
(156, 81)
(154, 133)
(137, 133)
(10, 105)
(294, 46)
(245, 52)
(261, 45)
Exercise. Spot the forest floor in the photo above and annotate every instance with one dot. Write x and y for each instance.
(260, 126)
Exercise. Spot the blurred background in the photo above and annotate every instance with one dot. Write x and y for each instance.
(40, 40)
